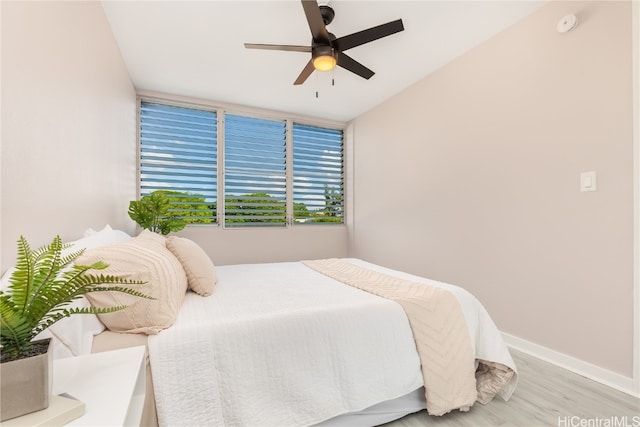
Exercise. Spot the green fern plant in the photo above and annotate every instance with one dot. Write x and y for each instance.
(152, 212)
(44, 283)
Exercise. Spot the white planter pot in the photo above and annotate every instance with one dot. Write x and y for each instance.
(26, 384)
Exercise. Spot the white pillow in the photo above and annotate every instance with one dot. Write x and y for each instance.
(4, 280)
(90, 231)
(73, 336)
(96, 239)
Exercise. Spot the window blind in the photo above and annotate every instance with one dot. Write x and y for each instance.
(254, 171)
(178, 154)
(318, 183)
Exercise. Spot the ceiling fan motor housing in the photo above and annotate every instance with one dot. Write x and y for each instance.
(327, 13)
(322, 50)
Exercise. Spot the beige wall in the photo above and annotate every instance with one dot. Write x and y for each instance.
(471, 176)
(241, 246)
(68, 124)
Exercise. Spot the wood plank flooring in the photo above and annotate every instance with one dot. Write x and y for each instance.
(546, 396)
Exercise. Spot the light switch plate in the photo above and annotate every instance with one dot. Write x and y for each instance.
(588, 181)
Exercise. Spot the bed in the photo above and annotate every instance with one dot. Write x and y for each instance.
(303, 343)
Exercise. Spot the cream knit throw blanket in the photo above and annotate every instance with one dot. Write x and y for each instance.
(440, 332)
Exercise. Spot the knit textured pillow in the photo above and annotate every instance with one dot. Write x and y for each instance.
(145, 258)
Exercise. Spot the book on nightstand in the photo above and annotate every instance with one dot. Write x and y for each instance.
(62, 410)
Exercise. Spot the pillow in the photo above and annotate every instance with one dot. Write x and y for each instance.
(73, 335)
(90, 231)
(96, 239)
(201, 273)
(4, 280)
(144, 258)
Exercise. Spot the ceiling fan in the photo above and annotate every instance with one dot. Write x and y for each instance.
(327, 51)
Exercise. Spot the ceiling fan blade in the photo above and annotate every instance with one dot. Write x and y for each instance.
(348, 63)
(316, 23)
(306, 72)
(369, 35)
(287, 47)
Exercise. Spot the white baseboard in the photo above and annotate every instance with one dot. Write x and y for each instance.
(570, 363)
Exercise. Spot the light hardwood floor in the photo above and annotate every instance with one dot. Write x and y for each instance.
(546, 396)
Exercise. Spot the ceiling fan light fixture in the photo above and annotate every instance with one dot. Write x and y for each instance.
(324, 63)
(324, 58)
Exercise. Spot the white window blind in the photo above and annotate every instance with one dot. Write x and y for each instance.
(254, 171)
(178, 155)
(318, 178)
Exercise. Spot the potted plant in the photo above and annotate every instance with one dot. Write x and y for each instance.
(153, 213)
(41, 288)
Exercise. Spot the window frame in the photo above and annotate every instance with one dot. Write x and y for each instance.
(221, 110)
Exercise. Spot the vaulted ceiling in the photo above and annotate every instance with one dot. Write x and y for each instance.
(196, 48)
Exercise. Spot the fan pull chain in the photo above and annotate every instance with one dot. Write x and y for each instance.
(333, 82)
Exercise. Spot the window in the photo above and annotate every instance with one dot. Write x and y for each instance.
(179, 155)
(255, 181)
(317, 175)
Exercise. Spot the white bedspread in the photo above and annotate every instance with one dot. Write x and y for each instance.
(282, 345)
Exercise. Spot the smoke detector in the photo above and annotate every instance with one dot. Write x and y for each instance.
(567, 23)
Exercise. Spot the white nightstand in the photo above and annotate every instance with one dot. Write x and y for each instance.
(111, 384)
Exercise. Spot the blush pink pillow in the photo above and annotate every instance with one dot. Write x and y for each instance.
(201, 273)
(144, 258)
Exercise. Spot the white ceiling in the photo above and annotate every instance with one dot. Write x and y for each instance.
(195, 48)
